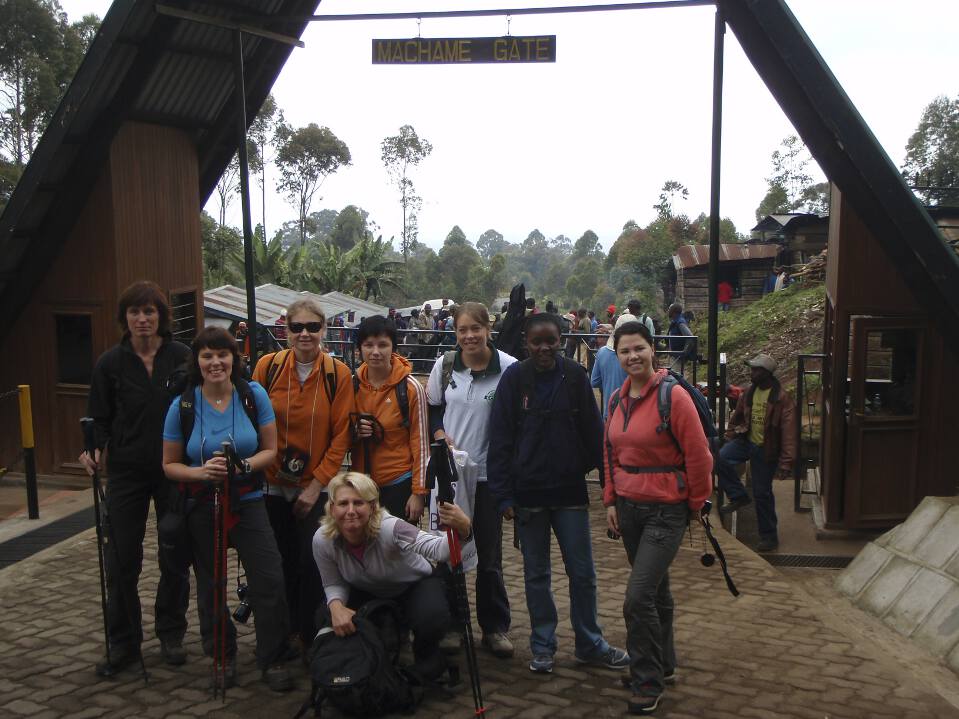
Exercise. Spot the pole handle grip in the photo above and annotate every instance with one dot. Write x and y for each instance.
(89, 435)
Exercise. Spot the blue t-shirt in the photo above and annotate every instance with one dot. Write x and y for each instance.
(608, 375)
(212, 427)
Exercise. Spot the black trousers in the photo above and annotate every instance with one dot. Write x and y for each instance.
(426, 613)
(256, 547)
(492, 603)
(393, 498)
(301, 577)
(128, 495)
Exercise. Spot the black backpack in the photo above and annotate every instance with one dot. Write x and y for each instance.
(664, 400)
(188, 411)
(358, 674)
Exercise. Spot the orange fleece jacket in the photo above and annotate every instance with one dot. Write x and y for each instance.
(632, 440)
(305, 418)
(402, 449)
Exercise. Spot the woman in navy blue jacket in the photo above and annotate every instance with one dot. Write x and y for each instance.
(545, 436)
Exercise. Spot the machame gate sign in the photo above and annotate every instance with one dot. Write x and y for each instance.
(465, 50)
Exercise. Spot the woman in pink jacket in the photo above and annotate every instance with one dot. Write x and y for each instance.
(655, 479)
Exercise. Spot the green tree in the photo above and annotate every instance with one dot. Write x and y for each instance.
(331, 270)
(263, 135)
(491, 243)
(587, 246)
(776, 202)
(455, 236)
(219, 244)
(400, 153)
(371, 271)
(583, 281)
(791, 187)
(305, 159)
(667, 197)
(932, 152)
(349, 227)
(269, 262)
(459, 261)
(39, 54)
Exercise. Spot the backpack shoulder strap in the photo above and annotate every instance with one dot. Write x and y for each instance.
(614, 401)
(571, 367)
(448, 359)
(403, 399)
(248, 400)
(664, 401)
(356, 384)
(278, 359)
(329, 378)
(187, 414)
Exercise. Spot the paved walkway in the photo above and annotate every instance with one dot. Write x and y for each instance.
(773, 652)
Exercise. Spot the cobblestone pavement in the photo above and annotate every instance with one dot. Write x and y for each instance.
(773, 652)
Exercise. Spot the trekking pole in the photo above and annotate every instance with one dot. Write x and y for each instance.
(445, 472)
(105, 536)
(221, 512)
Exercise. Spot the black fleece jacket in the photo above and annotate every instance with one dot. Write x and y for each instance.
(539, 456)
(129, 406)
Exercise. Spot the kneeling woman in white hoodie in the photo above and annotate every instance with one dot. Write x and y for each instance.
(365, 553)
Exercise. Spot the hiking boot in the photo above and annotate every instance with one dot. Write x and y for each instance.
(640, 704)
(767, 544)
(451, 642)
(499, 644)
(173, 652)
(278, 678)
(542, 664)
(120, 659)
(734, 504)
(612, 658)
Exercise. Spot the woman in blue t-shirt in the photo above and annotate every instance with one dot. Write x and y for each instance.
(221, 413)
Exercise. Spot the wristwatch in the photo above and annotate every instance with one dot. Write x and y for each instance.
(247, 466)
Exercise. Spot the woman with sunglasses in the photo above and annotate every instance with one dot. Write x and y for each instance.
(312, 397)
(196, 461)
(391, 438)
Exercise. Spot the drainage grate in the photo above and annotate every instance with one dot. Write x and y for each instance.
(807, 560)
(19, 548)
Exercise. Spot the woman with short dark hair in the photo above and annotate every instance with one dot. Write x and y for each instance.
(131, 388)
(222, 414)
(391, 432)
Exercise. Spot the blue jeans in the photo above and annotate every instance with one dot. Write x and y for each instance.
(571, 527)
(739, 451)
(652, 534)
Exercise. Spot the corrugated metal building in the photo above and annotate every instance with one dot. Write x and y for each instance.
(745, 267)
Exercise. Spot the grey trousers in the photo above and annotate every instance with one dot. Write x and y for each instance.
(651, 534)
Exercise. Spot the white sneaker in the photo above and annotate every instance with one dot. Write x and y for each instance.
(499, 644)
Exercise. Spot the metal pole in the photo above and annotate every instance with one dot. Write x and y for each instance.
(29, 460)
(798, 464)
(715, 171)
(245, 194)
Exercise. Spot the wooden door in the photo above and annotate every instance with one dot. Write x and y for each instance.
(883, 426)
(73, 342)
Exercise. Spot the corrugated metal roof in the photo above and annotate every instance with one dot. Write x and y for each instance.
(145, 67)
(694, 255)
(230, 301)
(363, 308)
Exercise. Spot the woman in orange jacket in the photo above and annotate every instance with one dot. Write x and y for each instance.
(312, 398)
(391, 437)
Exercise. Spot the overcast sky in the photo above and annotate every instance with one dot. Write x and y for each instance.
(587, 142)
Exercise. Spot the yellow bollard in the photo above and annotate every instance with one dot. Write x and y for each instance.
(29, 460)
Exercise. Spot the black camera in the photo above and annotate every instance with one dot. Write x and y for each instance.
(242, 613)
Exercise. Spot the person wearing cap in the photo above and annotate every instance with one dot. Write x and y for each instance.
(762, 431)
(611, 314)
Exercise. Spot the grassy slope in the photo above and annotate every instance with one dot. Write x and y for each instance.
(782, 324)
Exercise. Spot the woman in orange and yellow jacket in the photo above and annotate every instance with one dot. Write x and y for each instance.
(391, 435)
(312, 399)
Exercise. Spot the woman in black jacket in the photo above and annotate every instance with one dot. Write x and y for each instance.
(132, 386)
(545, 436)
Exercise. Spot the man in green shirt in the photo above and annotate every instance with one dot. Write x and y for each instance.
(762, 431)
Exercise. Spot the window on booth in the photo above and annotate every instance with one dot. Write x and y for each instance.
(74, 348)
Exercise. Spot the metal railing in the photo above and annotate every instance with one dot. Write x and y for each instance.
(808, 428)
(341, 343)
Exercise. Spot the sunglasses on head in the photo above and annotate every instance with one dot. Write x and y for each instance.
(313, 327)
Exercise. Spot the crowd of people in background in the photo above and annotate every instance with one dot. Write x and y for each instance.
(331, 485)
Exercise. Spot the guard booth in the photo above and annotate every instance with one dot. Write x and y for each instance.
(890, 392)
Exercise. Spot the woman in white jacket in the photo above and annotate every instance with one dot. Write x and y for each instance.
(365, 553)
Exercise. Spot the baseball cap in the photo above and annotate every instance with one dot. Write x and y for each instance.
(764, 361)
(611, 309)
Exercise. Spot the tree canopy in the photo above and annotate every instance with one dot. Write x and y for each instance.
(932, 152)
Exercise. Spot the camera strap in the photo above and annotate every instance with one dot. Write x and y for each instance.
(719, 555)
